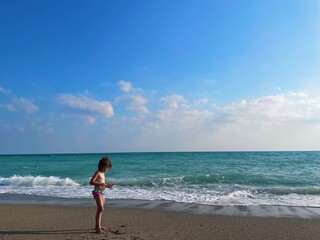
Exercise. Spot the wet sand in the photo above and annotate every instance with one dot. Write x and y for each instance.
(18, 221)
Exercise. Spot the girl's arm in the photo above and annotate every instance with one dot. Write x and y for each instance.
(109, 185)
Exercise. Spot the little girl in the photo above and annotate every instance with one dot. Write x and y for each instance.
(98, 180)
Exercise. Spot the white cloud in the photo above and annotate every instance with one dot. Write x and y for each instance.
(135, 102)
(174, 100)
(25, 105)
(180, 115)
(2, 90)
(18, 103)
(87, 104)
(90, 120)
(125, 86)
(202, 101)
(278, 108)
(138, 103)
(9, 107)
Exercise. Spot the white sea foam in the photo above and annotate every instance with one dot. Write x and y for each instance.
(31, 181)
(220, 195)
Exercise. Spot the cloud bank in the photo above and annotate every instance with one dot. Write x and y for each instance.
(149, 121)
(286, 121)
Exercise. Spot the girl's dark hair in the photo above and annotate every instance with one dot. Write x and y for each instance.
(105, 161)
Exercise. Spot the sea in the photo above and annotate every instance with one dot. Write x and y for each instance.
(208, 178)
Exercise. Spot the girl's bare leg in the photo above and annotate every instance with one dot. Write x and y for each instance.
(100, 205)
(103, 200)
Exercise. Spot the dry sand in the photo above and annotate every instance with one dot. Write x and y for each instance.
(62, 222)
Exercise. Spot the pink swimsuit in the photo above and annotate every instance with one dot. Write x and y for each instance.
(97, 193)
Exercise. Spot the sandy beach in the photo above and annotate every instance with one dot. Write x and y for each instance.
(67, 222)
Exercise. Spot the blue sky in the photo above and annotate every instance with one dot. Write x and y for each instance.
(121, 76)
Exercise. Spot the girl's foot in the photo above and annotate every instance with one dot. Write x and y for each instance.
(100, 230)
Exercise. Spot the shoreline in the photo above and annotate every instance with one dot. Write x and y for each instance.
(56, 222)
(258, 211)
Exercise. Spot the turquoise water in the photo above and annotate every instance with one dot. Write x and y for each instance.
(214, 178)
